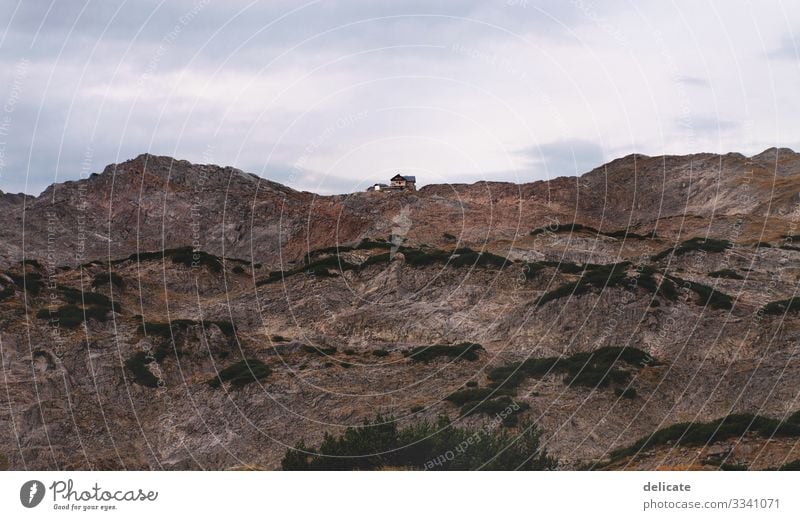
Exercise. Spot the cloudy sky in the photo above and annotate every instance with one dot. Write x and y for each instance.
(330, 96)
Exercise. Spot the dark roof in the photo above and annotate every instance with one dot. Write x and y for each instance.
(409, 178)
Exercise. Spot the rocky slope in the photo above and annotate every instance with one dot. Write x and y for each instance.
(688, 260)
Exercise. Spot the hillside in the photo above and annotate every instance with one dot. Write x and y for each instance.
(647, 293)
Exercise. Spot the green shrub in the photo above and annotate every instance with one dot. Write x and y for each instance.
(702, 434)
(709, 245)
(572, 228)
(29, 283)
(626, 393)
(241, 373)
(71, 316)
(591, 369)
(790, 466)
(137, 364)
(321, 351)
(166, 330)
(441, 446)
(733, 467)
(593, 277)
(101, 279)
(7, 292)
(273, 276)
(383, 258)
(469, 395)
(706, 295)
(758, 245)
(782, 306)
(564, 228)
(75, 296)
(467, 351)
(379, 352)
(469, 258)
(31, 262)
(726, 273)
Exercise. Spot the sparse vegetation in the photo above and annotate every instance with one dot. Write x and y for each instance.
(241, 373)
(467, 351)
(380, 444)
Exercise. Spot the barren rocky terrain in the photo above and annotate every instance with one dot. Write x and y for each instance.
(165, 315)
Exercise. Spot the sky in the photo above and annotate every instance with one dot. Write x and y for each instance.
(333, 96)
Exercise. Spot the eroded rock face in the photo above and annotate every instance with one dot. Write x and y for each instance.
(122, 390)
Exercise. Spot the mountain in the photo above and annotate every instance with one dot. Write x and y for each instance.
(162, 314)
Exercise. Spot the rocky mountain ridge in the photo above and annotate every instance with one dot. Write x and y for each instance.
(177, 316)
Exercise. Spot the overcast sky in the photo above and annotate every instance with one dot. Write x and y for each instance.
(331, 96)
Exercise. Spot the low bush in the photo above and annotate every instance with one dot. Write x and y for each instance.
(379, 352)
(592, 277)
(29, 283)
(626, 393)
(469, 395)
(593, 369)
(573, 228)
(137, 364)
(71, 316)
(166, 330)
(706, 296)
(726, 273)
(7, 292)
(321, 351)
(702, 434)
(31, 262)
(467, 351)
(241, 373)
(185, 255)
(782, 306)
(466, 257)
(380, 444)
(709, 245)
(790, 466)
(101, 279)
